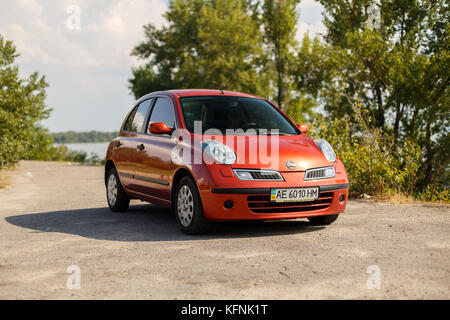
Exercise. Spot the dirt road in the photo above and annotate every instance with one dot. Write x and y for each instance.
(54, 215)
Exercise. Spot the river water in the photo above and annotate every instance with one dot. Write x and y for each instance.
(89, 147)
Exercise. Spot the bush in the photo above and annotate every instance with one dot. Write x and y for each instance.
(374, 166)
(62, 153)
(434, 193)
(22, 108)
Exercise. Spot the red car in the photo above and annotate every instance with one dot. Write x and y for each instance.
(214, 155)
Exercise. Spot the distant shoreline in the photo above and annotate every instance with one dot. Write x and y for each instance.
(90, 148)
(83, 137)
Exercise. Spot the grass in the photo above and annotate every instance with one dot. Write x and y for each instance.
(399, 199)
(4, 179)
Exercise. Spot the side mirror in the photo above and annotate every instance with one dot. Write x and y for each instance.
(159, 128)
(303, 127)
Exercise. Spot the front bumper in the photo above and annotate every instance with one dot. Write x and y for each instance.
(254, 203)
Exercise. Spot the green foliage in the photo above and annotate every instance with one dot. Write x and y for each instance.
(280, 20)
(63, 153)
(300, 109)
(80, 137)
(434, 193)
(313, 66)
(22, 107)
(207, 44)
(42, 147)
(373, 165)
(399, 70)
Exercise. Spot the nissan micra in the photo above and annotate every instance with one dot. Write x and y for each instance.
(214, 155)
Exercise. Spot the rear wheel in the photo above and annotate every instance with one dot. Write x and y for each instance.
(118, 200)
(188, 208)
(323, 220)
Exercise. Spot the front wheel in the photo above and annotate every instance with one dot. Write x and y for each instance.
(118, 200)
(188, 208)
(324, 220)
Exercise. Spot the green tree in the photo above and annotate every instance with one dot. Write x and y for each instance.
(207, 44)
(432, 88)
(312, 73)
(399, 70)
(280, 19)
(22, 107)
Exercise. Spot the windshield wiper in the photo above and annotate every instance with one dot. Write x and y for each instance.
(277, 134)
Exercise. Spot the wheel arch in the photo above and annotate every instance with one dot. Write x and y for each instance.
(181, 172)
(108, 165)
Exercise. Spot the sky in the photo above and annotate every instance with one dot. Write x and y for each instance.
(83, 49)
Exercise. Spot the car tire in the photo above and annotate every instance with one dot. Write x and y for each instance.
(323, 220)
(188, 208)
(117, 199)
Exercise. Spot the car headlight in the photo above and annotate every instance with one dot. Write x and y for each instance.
(258, 174)
(319, 173)
(326, 149)
(218, 151)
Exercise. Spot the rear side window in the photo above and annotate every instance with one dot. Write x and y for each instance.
(163, 112)
(129, 122)
(136, 119)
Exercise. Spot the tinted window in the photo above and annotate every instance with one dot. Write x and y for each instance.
(226, 112)
(136, 119)
(163, 112)
(129, 122)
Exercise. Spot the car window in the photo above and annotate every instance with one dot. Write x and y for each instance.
(136, 119)
(127, 126)
(229, 112)
(163, 112)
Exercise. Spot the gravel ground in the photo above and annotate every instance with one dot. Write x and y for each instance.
(54, 215)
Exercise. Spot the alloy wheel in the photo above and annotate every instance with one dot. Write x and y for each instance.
(185, 206)
(112, 190)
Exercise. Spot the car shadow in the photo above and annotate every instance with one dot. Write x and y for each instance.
(147, 223)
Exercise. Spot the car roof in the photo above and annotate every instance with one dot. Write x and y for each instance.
(209, 92)
(196, 92)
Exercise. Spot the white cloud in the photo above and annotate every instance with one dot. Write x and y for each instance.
(313, 30)
(24, 40)
(107, 33)
(88, 68)
(310, 20)
(124, 20)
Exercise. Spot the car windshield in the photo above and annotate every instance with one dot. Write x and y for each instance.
(239, 114)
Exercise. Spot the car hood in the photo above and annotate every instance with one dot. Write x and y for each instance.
(273, 152)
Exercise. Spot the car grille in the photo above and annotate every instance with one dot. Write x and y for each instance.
(262, 204)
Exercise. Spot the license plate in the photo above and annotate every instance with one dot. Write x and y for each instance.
(294, 194)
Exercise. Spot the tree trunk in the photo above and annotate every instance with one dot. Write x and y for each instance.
(280, 86)
(430, 155)
(380, 112)
(398, 116)
(280, 80)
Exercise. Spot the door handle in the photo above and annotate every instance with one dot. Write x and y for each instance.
(141, 146)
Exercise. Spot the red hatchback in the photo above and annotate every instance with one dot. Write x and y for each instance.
(214, 155)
